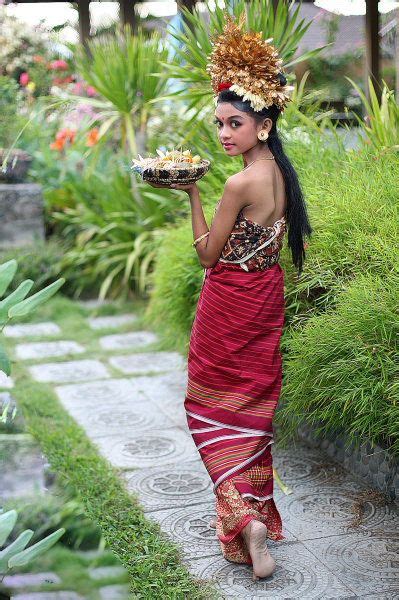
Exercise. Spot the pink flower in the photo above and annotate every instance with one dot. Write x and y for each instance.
(78, 88)
(24, 79)
(91, 91)
(59, 65)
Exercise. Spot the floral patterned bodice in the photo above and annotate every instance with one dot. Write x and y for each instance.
(253, 246)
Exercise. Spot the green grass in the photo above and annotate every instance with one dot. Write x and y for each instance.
(152, 561)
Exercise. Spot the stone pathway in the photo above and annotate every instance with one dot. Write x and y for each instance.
(138, 423)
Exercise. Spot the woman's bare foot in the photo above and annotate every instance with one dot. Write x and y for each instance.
(255, 536)
(212, 523)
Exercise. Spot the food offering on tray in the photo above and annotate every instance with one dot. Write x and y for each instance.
(173, 166)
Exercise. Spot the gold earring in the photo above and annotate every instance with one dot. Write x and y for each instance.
(263, 135)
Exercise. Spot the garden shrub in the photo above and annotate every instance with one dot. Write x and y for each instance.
(341, 370)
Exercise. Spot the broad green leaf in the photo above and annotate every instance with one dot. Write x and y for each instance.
(16, 296)
(36, 550)
(7, 272)
(7, 522)
(14, 548)
(26, 306)
(5, 364)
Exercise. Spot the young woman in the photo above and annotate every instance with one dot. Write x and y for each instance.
(234, 361)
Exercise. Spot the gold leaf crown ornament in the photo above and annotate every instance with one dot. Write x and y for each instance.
(248, 65)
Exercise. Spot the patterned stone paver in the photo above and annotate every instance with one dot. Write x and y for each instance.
(104, 572)
(38, 350)
(63, 372)
(32, 330)
(48, 596)
(142, 362)
(122, 341)
(111, 321)
(5, 381)
(21, 466)
(115, 592)
(93, 304)
(138, 423)
(30, 579)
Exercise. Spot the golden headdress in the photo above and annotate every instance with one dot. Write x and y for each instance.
(248, 65)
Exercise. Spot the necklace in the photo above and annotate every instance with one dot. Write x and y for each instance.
(251, 163)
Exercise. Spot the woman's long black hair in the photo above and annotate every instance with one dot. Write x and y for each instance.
(297, 217)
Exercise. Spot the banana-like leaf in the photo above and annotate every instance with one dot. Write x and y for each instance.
(7, 522)
(7, 272)
(5, 364)
(17, 546)
(16, 296)
(29, 304)
(36, 550)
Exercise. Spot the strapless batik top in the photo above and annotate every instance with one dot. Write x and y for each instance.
(253, 246)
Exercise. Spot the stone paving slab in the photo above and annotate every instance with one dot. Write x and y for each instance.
(64, 595)
(112, 406)
(21, 466)
(111, 322)
(20, 580)
(326, 510)
(105, 572)
(47, 328)
(94, 303)
(364, 563)
(189, 528)
(5, 381)
(64, 372)
(107, 392)
(40, 350)
(122, 341)
(143, 362)
(302, 466)
(170, 486)
(299, 574)
(115, 592)
(144, 449)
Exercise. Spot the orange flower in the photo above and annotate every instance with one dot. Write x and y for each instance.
(63, 136)
(57, 145)
(92, 137)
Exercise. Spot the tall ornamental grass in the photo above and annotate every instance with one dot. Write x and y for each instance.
(341, 371)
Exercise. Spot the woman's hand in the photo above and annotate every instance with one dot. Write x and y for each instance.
(158, 185)
(189, 188)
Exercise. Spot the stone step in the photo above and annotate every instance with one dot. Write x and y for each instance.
(47, 328)
(23, 580)
(111, 322)
(142, 362)
(122, 341)
(38, 350)
(65, 372)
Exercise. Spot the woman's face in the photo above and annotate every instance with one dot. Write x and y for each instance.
(237, 130)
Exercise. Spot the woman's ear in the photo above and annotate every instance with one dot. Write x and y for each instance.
(267, 124)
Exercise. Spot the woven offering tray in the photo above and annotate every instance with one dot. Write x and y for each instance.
(171, 167)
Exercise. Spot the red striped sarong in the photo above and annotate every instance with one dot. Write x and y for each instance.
(234, 383)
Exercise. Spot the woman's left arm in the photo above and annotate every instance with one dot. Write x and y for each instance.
(210, 247)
